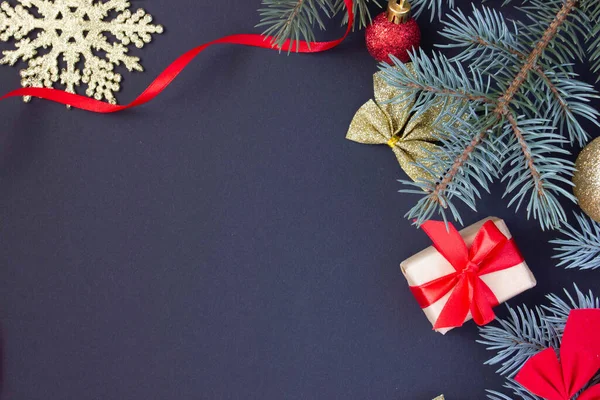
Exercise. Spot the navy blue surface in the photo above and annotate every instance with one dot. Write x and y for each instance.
(224, 241)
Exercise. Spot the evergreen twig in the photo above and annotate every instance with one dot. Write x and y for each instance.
(580, 245)
(523, 104)
(435, 7)
(296, 20)
(528, 331)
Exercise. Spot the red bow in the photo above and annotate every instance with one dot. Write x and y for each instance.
(547, 377)
(491, 251)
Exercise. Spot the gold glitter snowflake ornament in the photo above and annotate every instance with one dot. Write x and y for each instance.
(65, 41)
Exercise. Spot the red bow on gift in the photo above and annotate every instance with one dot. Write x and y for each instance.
(547, 377)
(491, 251)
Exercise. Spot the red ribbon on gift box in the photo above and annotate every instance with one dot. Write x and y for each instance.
(170, 73)
(553, 379)
(491, 251)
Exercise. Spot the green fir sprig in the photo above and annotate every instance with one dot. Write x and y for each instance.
(297, 20)
(513, 104)
(436, 8)
(579, 246)
(528, 331)
(593, 38)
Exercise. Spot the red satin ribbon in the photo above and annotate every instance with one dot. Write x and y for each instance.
(491, 251)
(547, 377)
(171, 72)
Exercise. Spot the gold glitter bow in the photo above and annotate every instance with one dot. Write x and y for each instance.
(380, 122)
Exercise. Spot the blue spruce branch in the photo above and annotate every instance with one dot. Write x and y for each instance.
(511, 109)
(528, 331)
(297, 20)
(580, 245)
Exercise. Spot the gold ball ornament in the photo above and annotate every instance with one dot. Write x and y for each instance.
(587, 180)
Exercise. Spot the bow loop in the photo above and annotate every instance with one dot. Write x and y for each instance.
(592, 393)
(487, 240)
(387, 120)
(370, 125)
(546, 376)
(448, 243)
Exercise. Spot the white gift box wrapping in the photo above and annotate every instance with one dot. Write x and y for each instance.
(429, 264)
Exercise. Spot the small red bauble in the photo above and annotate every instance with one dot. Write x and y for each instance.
(393, 32)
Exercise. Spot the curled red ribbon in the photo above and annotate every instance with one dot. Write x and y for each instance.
(491, 251)
(544, 375)
(166, 77)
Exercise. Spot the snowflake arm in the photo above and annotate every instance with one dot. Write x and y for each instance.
(77, 49)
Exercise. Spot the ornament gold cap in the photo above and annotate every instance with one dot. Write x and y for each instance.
(398, 11)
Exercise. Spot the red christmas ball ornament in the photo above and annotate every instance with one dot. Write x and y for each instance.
(393, 32)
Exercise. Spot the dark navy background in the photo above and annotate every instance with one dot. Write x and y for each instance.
(225, 241)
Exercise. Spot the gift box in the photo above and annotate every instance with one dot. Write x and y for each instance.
(465, 274)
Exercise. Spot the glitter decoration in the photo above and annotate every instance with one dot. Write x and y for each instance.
(384, 37)
(440, 397)
(587, 180)
(380, 121)
(67, 44)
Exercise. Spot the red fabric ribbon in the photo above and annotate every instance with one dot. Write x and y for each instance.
(166, 77)
(547, 377)
(491, 251)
